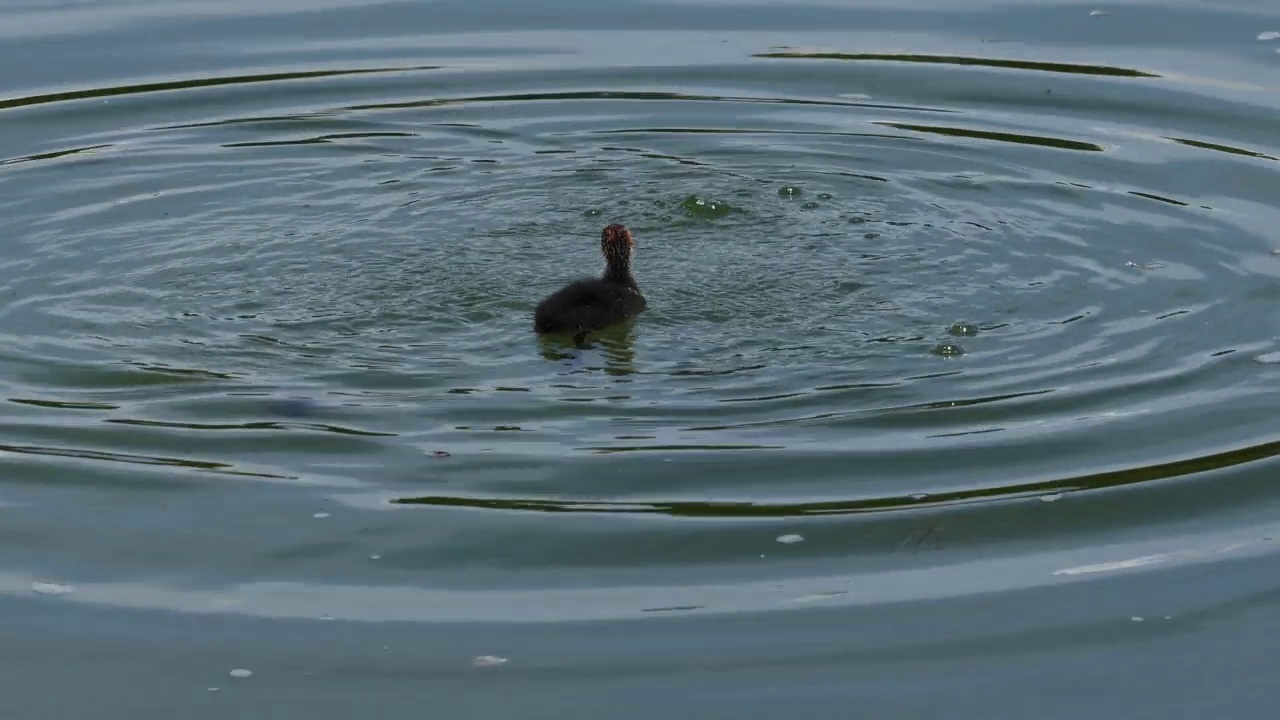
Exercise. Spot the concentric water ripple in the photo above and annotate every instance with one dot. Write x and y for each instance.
(899, 301)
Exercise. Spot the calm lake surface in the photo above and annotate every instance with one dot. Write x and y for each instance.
(957, 395)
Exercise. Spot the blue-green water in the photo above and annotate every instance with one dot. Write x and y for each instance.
(956, 395)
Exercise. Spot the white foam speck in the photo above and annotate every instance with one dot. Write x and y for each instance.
(1269, 35)
(50, 588)
(1051, 498)
(1270, 358)
(1136, 618)
(789, 539)
(241, 673)
(488, 661)
(375, 557)
(321, 515)
(214, 689)
(1098, 13)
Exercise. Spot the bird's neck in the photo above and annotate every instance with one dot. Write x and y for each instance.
(619, 270)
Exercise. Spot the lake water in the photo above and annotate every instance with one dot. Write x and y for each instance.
(957, 394)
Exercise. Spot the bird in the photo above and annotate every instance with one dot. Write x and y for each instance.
(589, 304)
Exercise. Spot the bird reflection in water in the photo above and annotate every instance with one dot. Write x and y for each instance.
(614, 345)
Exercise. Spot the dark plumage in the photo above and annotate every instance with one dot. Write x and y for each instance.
(594, 303)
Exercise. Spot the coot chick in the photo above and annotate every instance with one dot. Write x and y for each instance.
(594, 303)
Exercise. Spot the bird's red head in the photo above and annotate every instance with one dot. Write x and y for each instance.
(616, 245)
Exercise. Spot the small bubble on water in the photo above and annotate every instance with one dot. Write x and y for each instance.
(963, 329)
(700, 207)
(789, 191)
(790, 539)
(871, 236)
(825, 196)
(947, 350)
(488, 661)
(811, 205)
(591, 213)
(241, 673)
(50, 588)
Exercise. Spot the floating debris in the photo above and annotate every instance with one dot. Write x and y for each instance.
(292, 407)
(789, 191)
(790, 539)
(439, 453)
(241, 673)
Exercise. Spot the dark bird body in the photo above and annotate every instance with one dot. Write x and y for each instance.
(591, 304)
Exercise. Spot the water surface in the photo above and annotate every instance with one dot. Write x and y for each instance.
(956, 390)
